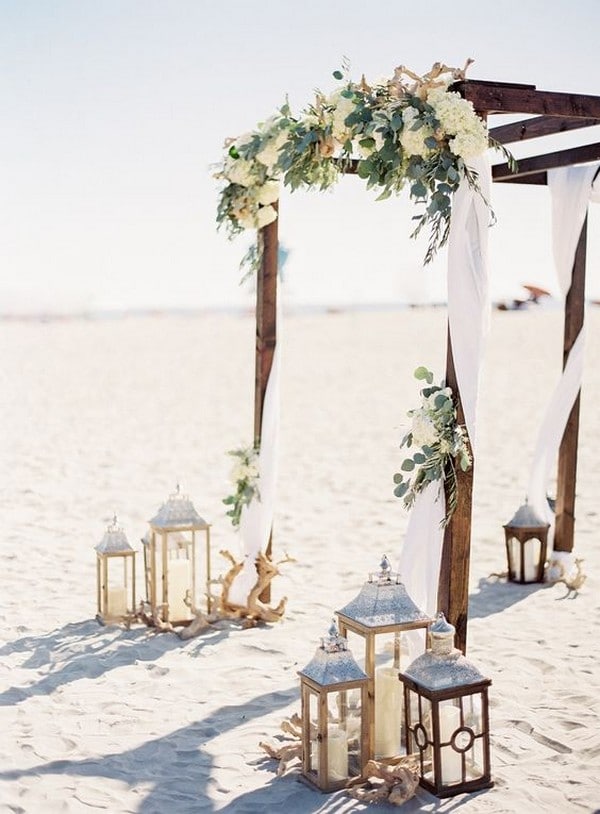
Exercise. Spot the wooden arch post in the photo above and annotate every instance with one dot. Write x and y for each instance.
(266, 333)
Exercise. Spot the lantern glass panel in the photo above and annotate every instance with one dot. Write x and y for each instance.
(313, 716)
(180, 582)
(420, 735)
(526, 570)
(118, 586)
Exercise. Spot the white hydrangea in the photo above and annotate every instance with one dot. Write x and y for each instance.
(265, 215)
(467, 133)
(413, 141)
(429, 401)
(268, 154)
(423, 430)
(268, 193)
(243, 471)
(240, 171)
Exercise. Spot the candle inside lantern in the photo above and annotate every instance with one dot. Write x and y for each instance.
(337, 754)
(530, 564)
(117, 601)
(388, 712)
(451, 760)
(179, 584)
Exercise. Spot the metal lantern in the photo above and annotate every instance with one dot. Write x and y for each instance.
(115, 568)
(526, 543)
(335, 732)
(447, 717)
(379, 614)
(171, 560)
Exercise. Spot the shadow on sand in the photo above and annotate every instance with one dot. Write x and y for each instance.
(88, 650)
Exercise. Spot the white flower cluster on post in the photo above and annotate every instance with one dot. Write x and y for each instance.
(440, 442)
(406, 131)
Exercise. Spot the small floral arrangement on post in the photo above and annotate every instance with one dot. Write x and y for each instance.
(244, 477)
(404, 131)
(441, 445)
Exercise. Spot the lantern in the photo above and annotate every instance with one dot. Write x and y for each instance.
(447, 718)
(115, 568)
(171, 561)
(526, 542)
(379, 614)
(335, 733)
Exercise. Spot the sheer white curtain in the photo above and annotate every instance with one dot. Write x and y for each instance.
(468, 319)
(571, 189)
(257, 519)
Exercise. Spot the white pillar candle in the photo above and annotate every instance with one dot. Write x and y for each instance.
(337, 754)
(451, 760)
(388, 712)
(530, 561)
(117, 601)
(179, 584)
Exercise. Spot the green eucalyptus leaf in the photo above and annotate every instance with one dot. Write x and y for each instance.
(419, 458)
(338, 75)
(407, 465)
(398, 478)
(401, 489)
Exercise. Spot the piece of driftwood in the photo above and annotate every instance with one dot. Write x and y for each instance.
(573, 581)
(394, 780)
(289, 750)
(254, 611)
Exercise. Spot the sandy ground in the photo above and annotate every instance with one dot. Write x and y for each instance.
(106, 416)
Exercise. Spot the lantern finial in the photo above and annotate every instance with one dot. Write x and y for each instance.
(333, 642)
(442, 635)
(386, 569)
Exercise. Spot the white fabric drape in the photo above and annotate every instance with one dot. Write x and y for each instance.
(571, 190)
(256, 520)
(468, 319)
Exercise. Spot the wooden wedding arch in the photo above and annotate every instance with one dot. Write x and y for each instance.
(550, 113)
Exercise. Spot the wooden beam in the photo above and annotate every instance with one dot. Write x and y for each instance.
(539, 163)
(495, 97)
(539, 178)
(538, 127)
(453, 586)
(266, 334)
(567, 456)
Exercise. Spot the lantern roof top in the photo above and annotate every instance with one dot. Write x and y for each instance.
(178, 511)
(526, 517)
(114, 540)
(383, 601)
(443, 666)
(333, 663)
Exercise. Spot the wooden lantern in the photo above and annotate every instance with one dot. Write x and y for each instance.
(380, 613)
(335, 732)
(171, 561)
(115, 570)
(526, 543)
(447, 717)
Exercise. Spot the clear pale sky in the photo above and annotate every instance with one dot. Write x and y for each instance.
(114, 110)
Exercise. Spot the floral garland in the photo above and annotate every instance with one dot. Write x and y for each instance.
(409, 130)
(244, 477)
(442, 445)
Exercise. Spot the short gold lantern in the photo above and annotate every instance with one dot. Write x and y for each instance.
(115, 569)
(171, 561)
(526, 543)
(447, 717)
(379, 614)
(335, 731)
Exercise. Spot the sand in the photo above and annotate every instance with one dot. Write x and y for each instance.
(106, 416)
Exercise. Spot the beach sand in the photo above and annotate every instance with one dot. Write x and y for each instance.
(105, 416)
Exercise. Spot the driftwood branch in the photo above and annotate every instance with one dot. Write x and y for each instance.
(394, 780)
(288, 750)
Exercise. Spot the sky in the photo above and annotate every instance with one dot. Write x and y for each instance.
(115, 111)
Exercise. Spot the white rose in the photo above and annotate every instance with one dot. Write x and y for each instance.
(239, 171)
(423, 431)
(268, 193)
(343, 107)
(265, 215)
(268, 155)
